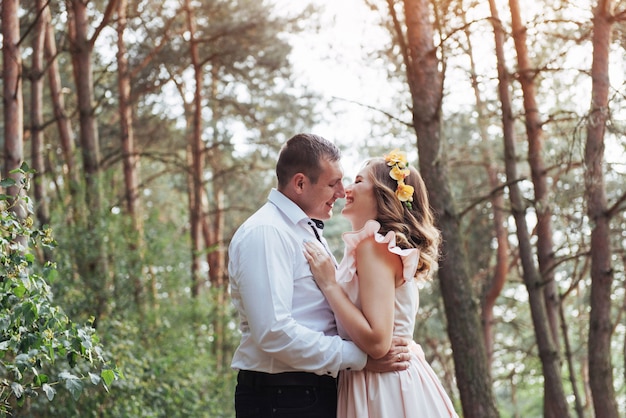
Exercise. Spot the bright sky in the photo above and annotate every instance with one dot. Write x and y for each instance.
(331, 62)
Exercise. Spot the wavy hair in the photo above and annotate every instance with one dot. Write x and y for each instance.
(415, 227)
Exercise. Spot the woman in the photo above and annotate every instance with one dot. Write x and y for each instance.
(374, 296)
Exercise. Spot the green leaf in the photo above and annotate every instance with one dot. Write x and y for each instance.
(73, 384)
(49, 391)
(108, 376)
(51, 274)
(29, 312)
(26, 168)
(40, 379)
(19, 290)
(7, 182)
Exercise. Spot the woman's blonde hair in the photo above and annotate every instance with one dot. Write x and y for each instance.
(413, 224)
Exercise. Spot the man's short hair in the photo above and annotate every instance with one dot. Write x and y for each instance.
(303, 153)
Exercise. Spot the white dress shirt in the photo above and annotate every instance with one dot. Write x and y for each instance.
(285, 321)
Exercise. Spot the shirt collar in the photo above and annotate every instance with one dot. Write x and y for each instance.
(292, 211)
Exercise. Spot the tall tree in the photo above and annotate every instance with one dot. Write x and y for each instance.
(64, 124)
(426, 85)
(495, 283)
(130, 157)
(555, 404)
(600, 327)
(539, 173)
(214, 222)
(13, 101)
(195, 152)
(93, 264)
(36, 118)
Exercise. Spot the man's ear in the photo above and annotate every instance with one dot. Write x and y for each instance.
(298, 181)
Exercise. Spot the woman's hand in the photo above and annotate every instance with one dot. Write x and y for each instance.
(322, 265)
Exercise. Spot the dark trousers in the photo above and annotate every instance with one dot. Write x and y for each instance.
(285, 395)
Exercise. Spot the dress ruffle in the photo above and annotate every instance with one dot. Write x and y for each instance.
(412, 393)
(410, 256)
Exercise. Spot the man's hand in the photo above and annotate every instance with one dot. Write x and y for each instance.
(396, 359)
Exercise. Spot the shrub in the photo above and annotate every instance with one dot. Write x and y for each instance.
(35, 334)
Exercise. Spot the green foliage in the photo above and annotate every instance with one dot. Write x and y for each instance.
(170, 366)
(167, 347)
(41, 349)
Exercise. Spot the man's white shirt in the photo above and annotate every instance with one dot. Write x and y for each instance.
(285, 321)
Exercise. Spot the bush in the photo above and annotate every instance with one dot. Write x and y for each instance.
(41, 349)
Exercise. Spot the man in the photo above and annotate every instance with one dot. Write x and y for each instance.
(290, 353)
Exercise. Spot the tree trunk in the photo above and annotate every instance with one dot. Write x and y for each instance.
(501, 269)
(213, 230)
(93, 264)
(425, 83)
(64, 126)
(13, 104)
(495, 284)
(196, 148)
(600, 328)
(81, 51)
(555, 404)
(213, 227)
(36, 118)
(543, 205)
(130, 159)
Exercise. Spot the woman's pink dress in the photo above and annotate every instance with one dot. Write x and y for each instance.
(415, 392)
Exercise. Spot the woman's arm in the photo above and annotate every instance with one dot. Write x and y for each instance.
(371, 329)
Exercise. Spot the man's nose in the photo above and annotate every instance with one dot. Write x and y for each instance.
(340, 192)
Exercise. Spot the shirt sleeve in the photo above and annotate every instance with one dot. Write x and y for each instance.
(264, 268)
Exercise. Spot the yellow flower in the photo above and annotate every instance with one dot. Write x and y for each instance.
(397, 157)
(398, 173)
(399, 164)
(404, 192)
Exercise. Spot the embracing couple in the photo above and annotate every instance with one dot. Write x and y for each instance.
(327, 340)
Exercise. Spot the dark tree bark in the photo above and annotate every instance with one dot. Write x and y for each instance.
(600, 328)
(425, 83)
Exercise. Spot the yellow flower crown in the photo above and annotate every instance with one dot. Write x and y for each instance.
(397, 160)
